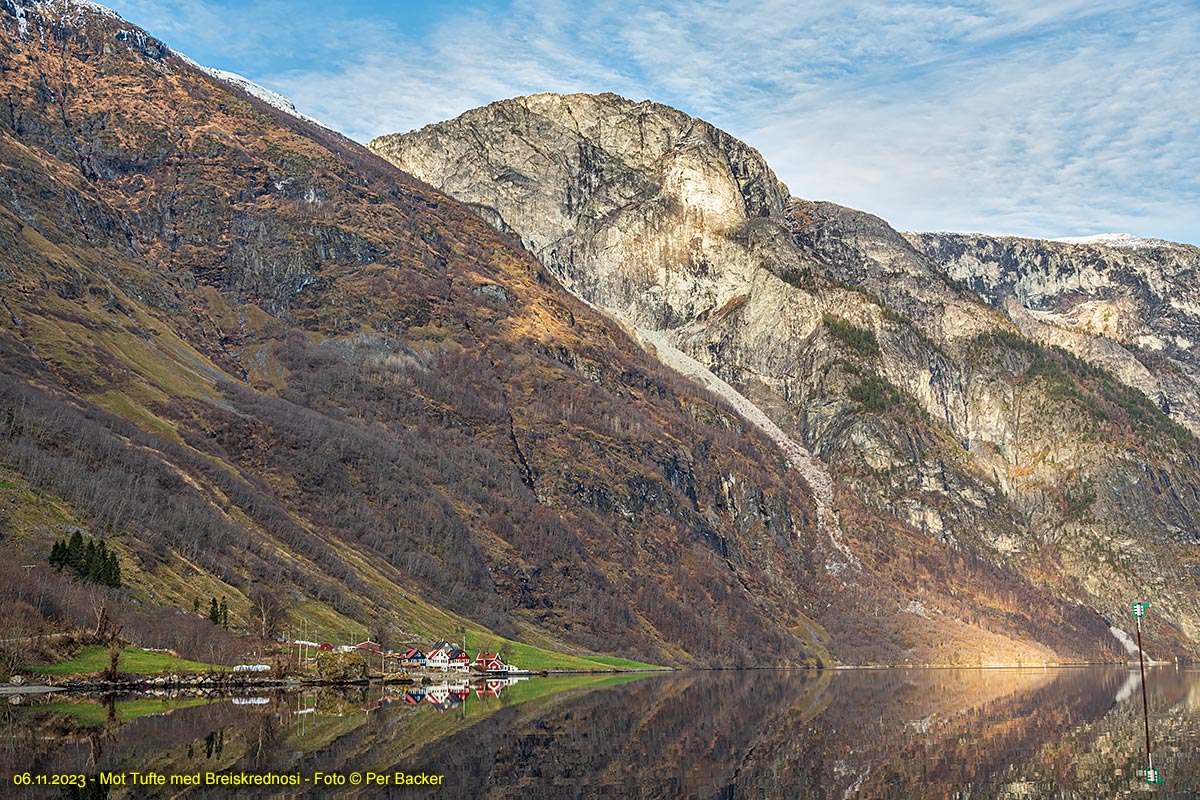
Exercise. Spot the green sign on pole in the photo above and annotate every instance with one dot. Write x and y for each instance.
(1152, 776)
(1139, 608)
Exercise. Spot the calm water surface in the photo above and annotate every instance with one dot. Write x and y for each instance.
(1012, 733)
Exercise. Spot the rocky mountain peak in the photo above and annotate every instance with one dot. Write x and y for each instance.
(574, 175)
(919, 392)
(604, 150)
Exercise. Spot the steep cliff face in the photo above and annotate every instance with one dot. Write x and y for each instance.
(637, 206)
(928, 410)
(1130, 305)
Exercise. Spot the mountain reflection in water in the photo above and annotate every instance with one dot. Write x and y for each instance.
(938, 733)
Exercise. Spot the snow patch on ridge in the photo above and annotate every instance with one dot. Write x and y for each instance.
(58, 7)
(95, 7)
(63, 6)
(22, 24)
(1126, 240)
(1115, 240)
(809, 466)
(271, 98)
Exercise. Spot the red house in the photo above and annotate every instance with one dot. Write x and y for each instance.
(459, 660)
(490, 662)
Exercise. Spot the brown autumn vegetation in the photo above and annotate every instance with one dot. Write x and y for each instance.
(333, 375)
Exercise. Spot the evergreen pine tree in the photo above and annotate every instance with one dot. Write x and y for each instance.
(97, 562)
(224, 613)
(196, 606)
(88, 561)
(112, 571)
(74, 553)
(214, 612)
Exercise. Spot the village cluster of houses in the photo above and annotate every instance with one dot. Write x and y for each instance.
(443, 656)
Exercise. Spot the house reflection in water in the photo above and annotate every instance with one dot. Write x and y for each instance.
(452, 694)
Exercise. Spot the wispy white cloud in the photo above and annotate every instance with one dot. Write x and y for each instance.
(1081, 130)
(1042, 117)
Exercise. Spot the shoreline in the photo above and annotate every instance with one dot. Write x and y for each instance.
(1019, 665)
(216, 683)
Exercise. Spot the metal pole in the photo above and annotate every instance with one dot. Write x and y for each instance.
(1145, 705)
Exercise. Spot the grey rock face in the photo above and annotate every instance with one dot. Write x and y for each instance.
(869, 348)
(1129, 305)
(631, 204)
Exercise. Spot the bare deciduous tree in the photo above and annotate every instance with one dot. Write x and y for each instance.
(267, 612)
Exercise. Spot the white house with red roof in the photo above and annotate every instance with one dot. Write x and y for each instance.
(438, 657)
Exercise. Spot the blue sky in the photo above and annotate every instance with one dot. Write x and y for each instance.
(1050, 118)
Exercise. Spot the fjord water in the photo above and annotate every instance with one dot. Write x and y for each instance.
(938, 733)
